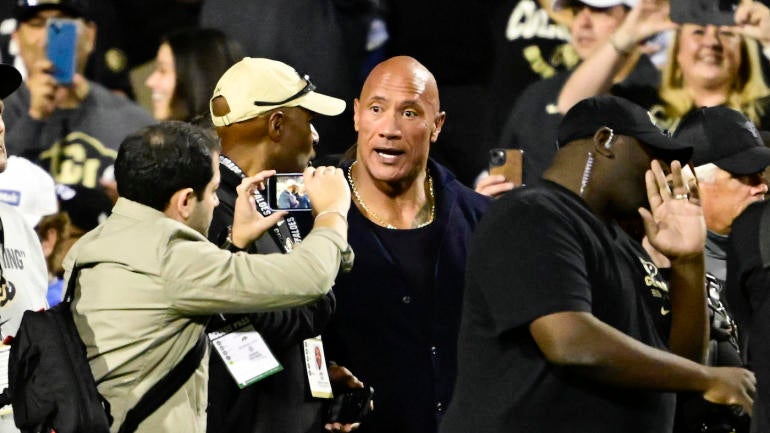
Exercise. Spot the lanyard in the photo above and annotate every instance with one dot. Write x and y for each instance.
(286, 243)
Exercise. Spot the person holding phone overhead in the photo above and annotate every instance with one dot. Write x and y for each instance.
(72, 130)
(262, 110)
(531, 124)
(709, 63)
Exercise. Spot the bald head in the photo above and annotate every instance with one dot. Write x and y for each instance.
(406, 73)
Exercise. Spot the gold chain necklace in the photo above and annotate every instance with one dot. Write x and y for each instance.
(376, 217)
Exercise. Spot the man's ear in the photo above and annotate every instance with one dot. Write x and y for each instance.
(355, 114)
(181, 204)
(438, 123)
(275, 125)
(604, 141)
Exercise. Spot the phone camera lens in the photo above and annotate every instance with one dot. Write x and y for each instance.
(496, 157)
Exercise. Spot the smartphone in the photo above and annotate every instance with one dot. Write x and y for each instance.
(508, 162)
(286, 191)
(704, 12)
(61, 48)
(352, 406)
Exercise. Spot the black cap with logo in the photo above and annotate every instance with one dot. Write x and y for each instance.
(726, 138)
(623, 117)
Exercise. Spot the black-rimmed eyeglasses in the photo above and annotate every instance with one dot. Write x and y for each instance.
(309, 87)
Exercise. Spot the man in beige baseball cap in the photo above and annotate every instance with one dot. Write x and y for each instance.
(255, 86)
(262, 110)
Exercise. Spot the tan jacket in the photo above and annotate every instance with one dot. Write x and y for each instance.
(143, 307)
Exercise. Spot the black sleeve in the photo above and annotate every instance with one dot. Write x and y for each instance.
(284, 328)
(747, 279)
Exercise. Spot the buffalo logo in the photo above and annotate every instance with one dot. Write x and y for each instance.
(7, 291)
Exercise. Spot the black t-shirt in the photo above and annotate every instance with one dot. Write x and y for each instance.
(748, 280)
(540, 250)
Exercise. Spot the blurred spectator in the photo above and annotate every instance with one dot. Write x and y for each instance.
(707, 65)
(72, 131)
(532, 124)
(188, 65)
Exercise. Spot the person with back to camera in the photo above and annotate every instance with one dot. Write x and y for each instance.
(156, 278)
(275, 134)
(568, 325)
(707, 65)
(188, 65)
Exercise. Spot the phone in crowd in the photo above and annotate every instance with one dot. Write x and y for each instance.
(509, 163)
(286, 191)
(61, 48)
(704, 12)
(351, 406)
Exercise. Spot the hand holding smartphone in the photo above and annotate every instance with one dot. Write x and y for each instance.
(508, 162)
(61, 48)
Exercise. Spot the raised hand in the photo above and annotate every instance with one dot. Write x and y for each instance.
(752, 19)
(674, 224)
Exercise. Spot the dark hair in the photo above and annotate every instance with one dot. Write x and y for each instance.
(159, 160)
(201, 56)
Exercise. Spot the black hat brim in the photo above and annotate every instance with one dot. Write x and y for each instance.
(749, 161)
(664, 147)
(10, 80)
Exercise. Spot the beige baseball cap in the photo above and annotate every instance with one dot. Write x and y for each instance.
(256, 85)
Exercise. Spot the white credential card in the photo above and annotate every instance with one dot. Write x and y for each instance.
(244, 352)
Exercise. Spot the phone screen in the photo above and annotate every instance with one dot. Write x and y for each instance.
(286, 191)
(61, 46)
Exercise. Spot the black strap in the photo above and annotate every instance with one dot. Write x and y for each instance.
(165, 388)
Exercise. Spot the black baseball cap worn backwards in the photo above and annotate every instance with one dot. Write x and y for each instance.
(624, 118)
(10, 80)
(726, 138)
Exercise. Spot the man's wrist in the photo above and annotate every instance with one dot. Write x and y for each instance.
(232, 246)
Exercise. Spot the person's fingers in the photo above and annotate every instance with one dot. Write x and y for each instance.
(272, 219)
(661, 187)
(653, 192)
(678, 183)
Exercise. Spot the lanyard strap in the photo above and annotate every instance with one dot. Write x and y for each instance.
(264, 209)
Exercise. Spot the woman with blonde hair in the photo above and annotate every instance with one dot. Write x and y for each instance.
(707, 65)
(710, 65)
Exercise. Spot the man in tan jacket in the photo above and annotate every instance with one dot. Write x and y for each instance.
(157, 278)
